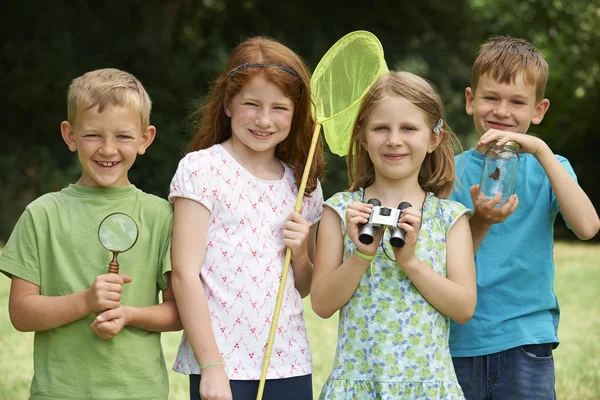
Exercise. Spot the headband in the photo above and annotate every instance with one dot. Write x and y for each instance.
(246, 65)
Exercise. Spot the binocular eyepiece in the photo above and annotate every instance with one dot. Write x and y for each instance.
(386, 217)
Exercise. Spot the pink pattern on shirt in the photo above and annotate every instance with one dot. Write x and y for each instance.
(243, 264)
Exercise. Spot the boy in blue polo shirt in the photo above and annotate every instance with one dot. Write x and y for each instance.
(505, 351)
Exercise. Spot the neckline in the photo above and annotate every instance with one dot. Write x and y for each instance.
(269, 181)
(105, 192)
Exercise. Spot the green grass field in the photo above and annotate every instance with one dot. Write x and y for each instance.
(577, 364)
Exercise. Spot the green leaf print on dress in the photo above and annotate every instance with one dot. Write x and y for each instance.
(392, 344)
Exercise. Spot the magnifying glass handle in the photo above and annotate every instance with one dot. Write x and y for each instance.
(113, 265)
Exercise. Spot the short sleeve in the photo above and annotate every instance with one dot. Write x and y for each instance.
(165, 253)
(567, 165)
(339, 202)
(193, 179)
(20, 256)
(313, 205)
(450, 211)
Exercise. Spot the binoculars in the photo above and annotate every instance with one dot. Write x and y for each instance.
(386, 217)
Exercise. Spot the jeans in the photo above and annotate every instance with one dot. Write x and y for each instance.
(296, 388)
(522, 373)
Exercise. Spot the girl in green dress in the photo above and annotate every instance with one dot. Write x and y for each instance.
(396, 302)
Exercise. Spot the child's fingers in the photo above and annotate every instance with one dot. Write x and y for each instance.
(109, 315)
(364, 207)
(295, 216)
(112, 278)
(409, 219)
(352, 213)
(112, 288)
(296, 225)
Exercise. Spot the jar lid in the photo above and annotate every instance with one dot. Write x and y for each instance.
(514, 146)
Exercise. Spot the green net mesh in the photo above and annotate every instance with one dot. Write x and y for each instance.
(339, 82)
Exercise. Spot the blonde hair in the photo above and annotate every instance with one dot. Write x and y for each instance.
(104, 87)
(437, 171)
(502, 58)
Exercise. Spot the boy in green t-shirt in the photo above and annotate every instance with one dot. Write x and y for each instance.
(97, 334)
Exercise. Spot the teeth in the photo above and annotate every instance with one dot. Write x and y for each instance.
(261, 134)
(106, 164)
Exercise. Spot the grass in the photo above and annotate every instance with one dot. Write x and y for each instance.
(577, 366)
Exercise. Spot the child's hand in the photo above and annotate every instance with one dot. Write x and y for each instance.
(410, 222)
(357, 214)
(214, 384)
(487, 212)
(105, 292)
(295, 233)
(529, 144)
(110, 323)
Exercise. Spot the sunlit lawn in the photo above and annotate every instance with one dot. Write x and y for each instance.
(577, 364)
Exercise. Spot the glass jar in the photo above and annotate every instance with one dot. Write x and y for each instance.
(499, 175)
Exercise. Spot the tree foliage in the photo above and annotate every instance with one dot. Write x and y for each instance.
(175, 48)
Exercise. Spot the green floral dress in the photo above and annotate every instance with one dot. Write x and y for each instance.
(392, 344)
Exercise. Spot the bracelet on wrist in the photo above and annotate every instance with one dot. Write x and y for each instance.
(215, 364)
(364, 256)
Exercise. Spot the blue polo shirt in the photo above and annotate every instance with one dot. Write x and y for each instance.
(516, 304)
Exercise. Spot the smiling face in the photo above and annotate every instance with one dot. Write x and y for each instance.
(504, 106)
(261, 117)
(107, 144)
(398, 136)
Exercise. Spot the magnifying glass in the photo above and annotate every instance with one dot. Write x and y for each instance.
(117, 232)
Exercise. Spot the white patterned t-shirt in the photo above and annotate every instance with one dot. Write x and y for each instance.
(243, 264)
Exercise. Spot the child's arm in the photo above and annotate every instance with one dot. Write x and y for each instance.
(31, 311)
(335, 282)
(188, 248)
(454, 295)
(574, 204)
(299, 236)
(157, 318)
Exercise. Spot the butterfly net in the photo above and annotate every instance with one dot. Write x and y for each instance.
(339, 82)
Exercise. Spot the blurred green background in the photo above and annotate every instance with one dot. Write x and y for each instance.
(176, 47)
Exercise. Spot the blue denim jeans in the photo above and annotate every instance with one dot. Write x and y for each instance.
(296, 388)
(523, 373)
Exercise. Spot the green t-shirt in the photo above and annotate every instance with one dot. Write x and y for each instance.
(55, 245)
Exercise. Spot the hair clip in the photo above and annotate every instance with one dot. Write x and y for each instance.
(236, 69)
(438, 127)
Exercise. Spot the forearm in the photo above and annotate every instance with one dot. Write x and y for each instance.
(36, 312)
(333, 291)
(303, 271)
(195, 317)
(448, 297)
(575, 205)
(157, 318)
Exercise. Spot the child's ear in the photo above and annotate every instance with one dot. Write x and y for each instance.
(469, 101)
(227, 107)
(540, 111)
(362, 138)
(435, 140)
(68, 135)
(147, 138)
